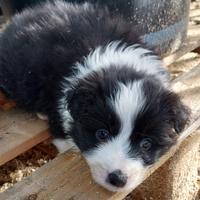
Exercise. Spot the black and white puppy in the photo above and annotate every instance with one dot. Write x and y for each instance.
(86, 70)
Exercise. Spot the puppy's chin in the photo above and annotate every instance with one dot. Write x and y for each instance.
(101, 165)
(132, 183)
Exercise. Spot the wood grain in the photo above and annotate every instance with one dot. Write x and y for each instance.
(192, 42)
(19, 132)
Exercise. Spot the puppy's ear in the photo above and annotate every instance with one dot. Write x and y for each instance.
(179, 113)
(80, 101)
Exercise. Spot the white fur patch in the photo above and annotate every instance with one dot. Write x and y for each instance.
(65, 114)
(63, 145)
(102, 162)
(114, 154)
(120, 55)
(127, 102)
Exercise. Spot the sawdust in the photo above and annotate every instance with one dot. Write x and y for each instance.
(28, 162)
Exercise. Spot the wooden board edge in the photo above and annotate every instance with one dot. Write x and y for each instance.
(26, 145)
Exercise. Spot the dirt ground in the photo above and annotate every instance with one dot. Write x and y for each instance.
(22, 166)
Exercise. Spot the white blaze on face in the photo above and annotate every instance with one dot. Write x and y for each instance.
(114, 154)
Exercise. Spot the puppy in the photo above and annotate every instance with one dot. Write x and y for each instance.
(99, 86)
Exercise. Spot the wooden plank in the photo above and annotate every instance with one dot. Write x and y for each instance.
(192, 42)
(68, 178)
(19, 132)
(177, 178)
(195, 12)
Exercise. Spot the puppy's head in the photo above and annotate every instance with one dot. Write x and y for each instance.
(123, 123)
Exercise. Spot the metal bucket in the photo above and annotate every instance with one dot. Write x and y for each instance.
(162, 24)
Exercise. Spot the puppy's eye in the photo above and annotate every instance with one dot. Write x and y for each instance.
(102, 135)
(146, 144)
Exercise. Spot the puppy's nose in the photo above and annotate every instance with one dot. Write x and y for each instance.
(117, 178)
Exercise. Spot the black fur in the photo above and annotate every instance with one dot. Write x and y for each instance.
(42, 48)
(40, 45)
(158, 121)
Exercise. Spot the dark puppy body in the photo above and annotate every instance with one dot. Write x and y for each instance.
(86, 71)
